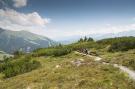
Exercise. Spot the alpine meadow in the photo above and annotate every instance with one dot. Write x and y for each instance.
(67, 44)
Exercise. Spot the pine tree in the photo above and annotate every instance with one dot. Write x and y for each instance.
(81, 40)
(90, 39)
(85, 38)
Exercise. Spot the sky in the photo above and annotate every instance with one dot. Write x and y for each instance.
(59, 19)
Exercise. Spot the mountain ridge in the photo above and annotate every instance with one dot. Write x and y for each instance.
(15, 40)
(113, 35)
(73, 39)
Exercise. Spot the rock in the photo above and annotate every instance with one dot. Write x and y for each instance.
(81, 59)
(77, 62)
(57, 66)
(28, 87)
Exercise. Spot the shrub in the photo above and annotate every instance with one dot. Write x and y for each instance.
(81, 45)
(110, 41)
(60, 51)
(15, 67)
(122, 46)
(118, 43)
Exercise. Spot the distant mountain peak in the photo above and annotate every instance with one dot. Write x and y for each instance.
(14, 40)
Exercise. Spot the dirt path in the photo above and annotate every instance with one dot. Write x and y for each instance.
(95, 57)
(131, 73)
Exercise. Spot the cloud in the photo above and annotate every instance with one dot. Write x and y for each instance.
(108, 24)
(10, 19)
(88, 30)
(13, 20)
(19, 3)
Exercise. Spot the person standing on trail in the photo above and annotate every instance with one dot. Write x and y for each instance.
(86, 51)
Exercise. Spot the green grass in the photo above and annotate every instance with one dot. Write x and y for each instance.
(60, 70)
(13, 67)
(126, 58)
(89, 75)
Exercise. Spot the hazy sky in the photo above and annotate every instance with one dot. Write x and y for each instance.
(62, 18)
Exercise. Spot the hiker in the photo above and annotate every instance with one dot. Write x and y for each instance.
(86, 51)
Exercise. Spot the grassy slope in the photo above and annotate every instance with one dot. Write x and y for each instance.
(92, 75)
(126, 58)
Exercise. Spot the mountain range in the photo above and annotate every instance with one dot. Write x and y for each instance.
(72, 39)
(112, 35)
(11, 41)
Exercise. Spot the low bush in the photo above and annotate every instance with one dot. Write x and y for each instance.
(15, 67)
(51, 52)
(118, 43)
(122, 46)
(82, 45)
(109, 41)
(60, 52)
